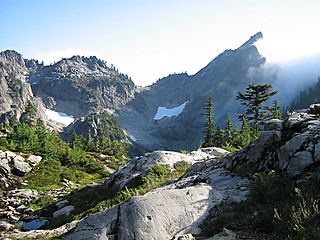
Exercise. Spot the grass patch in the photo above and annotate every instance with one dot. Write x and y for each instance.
(89, 200)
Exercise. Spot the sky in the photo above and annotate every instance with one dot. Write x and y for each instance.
(150, 39)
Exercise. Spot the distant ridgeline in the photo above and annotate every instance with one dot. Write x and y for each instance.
(307, 97)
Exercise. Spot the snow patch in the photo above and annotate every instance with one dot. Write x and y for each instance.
(165, 112)
(132, 138)
(59, 117)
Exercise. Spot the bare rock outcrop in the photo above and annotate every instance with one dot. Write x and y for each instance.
(139, 166)
(17, 101)
(290, 146)
(164, 212)
(173, 210)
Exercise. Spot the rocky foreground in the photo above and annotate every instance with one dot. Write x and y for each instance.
(176, 210)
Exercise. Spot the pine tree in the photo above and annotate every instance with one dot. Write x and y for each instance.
(255, 96)
(90, 145)
(230, 130)
(209, 124)
(219, 138)
(246, 133)
(276, 113)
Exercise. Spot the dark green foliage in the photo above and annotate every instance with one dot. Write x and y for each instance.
(209, 124)
(114, 149)
(219, 137)
(231, 138)
(48, 173)
(105, 125)
(275, 209)
(276, 110)
(61, 160)
(30, 110)
(247, 134)
(256, 113)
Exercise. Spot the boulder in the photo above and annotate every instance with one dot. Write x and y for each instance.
(299, 162)
(273, 125)
(21, 193)
(4, 226)
(63, 211)
(286, 151)
(204, 153)
(314, 109)
(20, 166)
(34, 160)
(10, 155)
(139, 166)
(4, 167)
(2, 154)
(61, 204)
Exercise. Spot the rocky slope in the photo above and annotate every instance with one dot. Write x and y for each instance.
(79, 86)
(16, 97)
(169, 114)
(290, 146)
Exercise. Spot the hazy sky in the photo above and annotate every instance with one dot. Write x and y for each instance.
(149, 39)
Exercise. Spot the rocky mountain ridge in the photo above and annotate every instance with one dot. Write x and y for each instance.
(16, 97)
(228, 73)
(79, 86)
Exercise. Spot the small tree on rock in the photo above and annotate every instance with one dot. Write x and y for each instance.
(276, 112)
(255, 96)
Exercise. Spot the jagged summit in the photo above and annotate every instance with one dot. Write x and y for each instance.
(252, 40)
(228, 73)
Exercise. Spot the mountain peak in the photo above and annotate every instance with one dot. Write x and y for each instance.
(252, 40)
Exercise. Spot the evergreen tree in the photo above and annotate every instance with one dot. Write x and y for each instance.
(219, 137)
(276, 113)
(77, 141)
(255, 96)
(246, 133)
(230, 130)
(90, 145)
(209, 124)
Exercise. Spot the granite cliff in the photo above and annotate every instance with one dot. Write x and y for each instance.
(16, 97)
